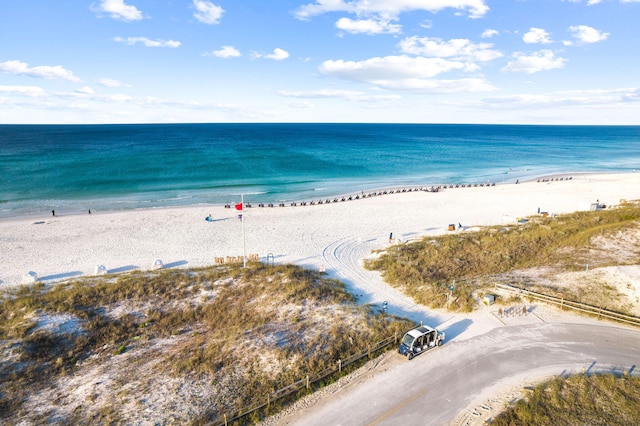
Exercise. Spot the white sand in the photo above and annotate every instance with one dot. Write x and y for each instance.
(334, 236)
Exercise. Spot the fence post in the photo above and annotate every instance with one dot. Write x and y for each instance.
(268, 400)
(340, 365)
(225, 419)
(369, 351)
(307, 382)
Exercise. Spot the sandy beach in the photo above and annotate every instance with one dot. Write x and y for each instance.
(68, 246)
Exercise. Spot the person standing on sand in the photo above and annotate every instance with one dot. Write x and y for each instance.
(53, 212)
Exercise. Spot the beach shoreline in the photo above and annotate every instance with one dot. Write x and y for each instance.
(67, 246)
(288, 203)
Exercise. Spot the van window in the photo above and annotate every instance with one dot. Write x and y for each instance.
(407, 340)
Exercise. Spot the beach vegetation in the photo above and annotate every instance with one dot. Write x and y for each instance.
(234, 333)
(582, 399)
(472, 260)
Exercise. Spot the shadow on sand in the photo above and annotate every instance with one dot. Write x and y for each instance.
(123, 269)
(174, 264)
(60, 276)
(456, 329)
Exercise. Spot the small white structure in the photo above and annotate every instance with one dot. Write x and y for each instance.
(157, 264)
(100, 270)
(29, 278)
(597, 206)
(489, 299)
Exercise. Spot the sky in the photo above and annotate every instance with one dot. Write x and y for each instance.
(362, 61)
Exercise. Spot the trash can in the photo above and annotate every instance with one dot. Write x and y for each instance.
(452, 227)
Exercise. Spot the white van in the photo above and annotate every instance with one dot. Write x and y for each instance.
(419, 340)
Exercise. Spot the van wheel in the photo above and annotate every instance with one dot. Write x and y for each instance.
(439, 342)
(410, 356)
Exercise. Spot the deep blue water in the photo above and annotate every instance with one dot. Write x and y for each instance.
(72, 168)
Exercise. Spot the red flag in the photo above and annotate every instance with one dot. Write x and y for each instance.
(239, 206)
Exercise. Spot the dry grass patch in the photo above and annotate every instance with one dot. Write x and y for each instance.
(585, 400)
(173, 346)
(425, 269)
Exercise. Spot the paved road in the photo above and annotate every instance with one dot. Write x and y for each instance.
(436, 386)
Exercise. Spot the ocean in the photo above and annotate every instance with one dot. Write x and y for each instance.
(74, 168)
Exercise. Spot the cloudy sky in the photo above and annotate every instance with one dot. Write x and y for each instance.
(412, 61)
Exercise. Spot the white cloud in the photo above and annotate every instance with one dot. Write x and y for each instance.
(277, 55)
(631, 95)
(350, 95)
(31, 91)
(585, 98)
(427, 24)
(488, 33)
(324, 93)
(147, 42)
(586, 34)
(207, 12)
(592, 2)
(539, 61)
(536, 36)
(117, 9)
(389, 8)
(304, 104)
(118, 97)
(109, 82)
(368, 26)
(459, 49)
(226, 52)
(404, 73)
(464, 85)
(47, 72)
(86, 90)
(389, 67)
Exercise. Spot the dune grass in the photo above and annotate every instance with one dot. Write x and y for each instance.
(577, 400)
(425, 269)
(242, 331)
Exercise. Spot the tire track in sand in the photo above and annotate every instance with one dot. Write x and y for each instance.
(344, 257)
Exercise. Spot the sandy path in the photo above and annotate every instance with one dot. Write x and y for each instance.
(460, 378)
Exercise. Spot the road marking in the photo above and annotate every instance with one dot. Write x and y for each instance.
(395, 409)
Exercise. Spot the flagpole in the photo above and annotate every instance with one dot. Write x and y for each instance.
(244, 244)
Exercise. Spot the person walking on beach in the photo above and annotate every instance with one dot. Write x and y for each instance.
(53, 212)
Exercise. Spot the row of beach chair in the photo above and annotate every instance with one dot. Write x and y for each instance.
(366, 195)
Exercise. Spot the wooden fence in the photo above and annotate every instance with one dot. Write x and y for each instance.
(569, 304)
(306, 382)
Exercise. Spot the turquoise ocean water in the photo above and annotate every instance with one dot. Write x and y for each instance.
(73, 168)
